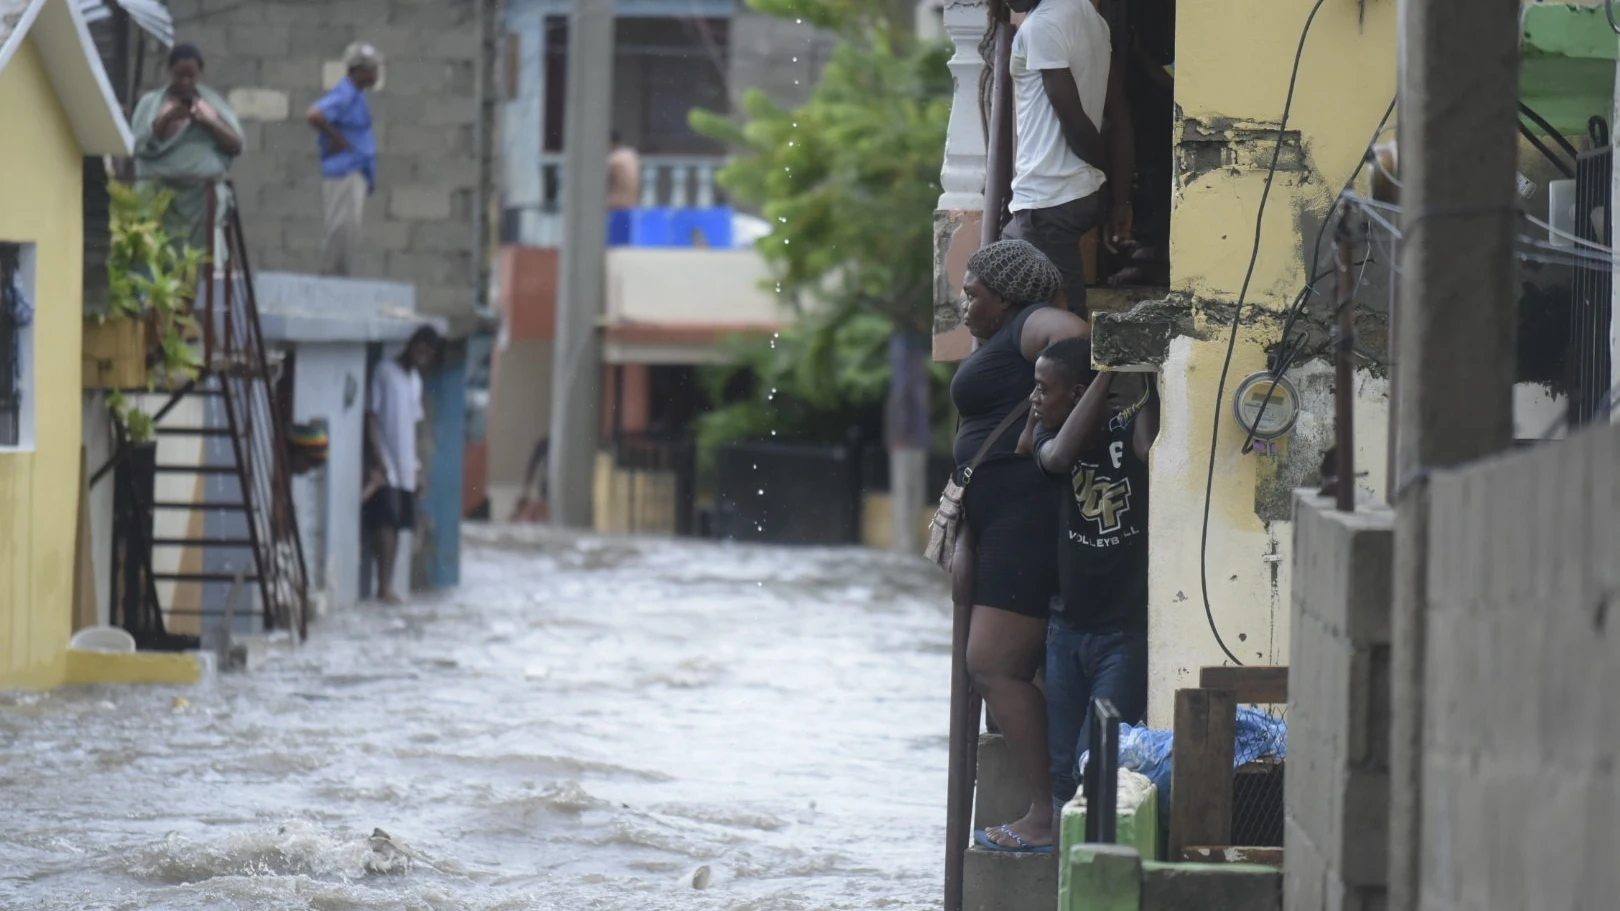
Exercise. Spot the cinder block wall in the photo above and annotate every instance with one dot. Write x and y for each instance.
(1522, 729)
(1337, 794)
(274, 58)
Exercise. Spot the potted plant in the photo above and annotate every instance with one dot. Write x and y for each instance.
(148, 337)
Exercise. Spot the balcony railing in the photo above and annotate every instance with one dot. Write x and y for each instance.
(667, 181)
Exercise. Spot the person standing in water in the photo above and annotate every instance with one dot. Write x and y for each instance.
(395, 410)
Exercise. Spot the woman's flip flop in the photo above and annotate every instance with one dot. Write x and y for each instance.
(983, 839)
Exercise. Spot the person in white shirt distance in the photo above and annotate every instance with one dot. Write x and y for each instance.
(395, 410)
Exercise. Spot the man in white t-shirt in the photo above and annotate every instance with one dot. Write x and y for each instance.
(395, 410)
(1067, 179)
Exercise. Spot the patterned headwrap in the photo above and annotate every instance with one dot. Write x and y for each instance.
(1017, 271)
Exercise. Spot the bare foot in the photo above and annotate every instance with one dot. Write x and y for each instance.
(1036, 833)
(390, 598)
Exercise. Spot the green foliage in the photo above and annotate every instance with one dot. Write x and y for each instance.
(137, 424)
(848, 182)
(811, 382)
(152, 277)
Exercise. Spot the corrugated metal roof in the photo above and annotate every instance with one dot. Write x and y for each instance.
(151, 16)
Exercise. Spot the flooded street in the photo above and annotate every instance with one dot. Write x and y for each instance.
(582, 725)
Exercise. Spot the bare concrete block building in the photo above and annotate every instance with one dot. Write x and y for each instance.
(273, 58)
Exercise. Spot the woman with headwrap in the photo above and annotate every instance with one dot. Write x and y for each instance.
(1007, 555)
(186, 136)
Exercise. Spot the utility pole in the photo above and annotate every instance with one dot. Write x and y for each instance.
(576, 383)
(1455, 356)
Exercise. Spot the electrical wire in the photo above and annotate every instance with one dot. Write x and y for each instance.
(1546, 153)
(1288, 351)
(1237, 322)
(1552, 132)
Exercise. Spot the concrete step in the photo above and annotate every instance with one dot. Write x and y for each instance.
(996, 881)
(1000, 796)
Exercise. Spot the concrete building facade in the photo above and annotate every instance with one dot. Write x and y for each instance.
(273, 59)
(1232, 74)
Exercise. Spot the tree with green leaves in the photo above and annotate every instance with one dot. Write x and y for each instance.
(848, 182)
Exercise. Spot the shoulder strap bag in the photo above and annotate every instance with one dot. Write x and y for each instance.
(948, 517)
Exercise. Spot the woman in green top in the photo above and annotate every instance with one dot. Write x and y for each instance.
(186, 135)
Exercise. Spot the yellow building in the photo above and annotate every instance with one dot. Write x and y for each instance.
(1232, 71)
(58, 110)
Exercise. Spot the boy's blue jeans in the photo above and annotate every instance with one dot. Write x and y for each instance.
(1081, 667)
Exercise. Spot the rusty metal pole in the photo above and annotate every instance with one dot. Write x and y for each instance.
(966, 706)
(1344, 352)
(998, 167)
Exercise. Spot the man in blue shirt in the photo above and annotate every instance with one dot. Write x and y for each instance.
(348, 156)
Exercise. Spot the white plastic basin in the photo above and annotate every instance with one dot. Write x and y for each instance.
(103, 639)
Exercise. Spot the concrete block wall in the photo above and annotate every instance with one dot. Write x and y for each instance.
(1522, 727)
(273, 58)
(1337, 792)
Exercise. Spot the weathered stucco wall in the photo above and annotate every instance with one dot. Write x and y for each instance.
(1230, 103)
(39, 485)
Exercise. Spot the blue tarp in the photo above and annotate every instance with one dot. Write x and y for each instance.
(1148, 752)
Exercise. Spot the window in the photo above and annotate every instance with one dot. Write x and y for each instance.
(16, 346)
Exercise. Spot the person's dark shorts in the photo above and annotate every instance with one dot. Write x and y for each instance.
(1013, 511)
(391, 507)
(1057, 232)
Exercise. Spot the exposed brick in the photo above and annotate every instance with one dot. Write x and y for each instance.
(419, 203)
(227, 71)
(440, 237)
(419, 77)
(445, 268)
(252, 137)
(395, 170)
(259, 39)
(441, 112)
(292, 75)
(259, 104)
(426, 142)
(210, 39)
(304, 235)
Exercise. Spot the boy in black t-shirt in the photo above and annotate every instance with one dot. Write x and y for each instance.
(1096, 644)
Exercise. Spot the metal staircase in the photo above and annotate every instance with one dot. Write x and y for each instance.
(205, 537)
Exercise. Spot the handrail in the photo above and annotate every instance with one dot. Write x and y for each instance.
(242, 364)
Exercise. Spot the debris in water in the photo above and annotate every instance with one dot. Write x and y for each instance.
(390, 856)
(181, 702)
(699, 878)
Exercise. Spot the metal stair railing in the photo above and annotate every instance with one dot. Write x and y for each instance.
(234, 353)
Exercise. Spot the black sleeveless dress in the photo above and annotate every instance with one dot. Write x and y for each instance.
(1011, 506)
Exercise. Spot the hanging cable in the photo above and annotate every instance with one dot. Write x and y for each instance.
(1237, 322)
(1552, 132)
(1546, 153)
(1288, 351)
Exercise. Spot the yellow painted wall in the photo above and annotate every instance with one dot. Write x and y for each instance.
(1233, 59)
(41, 189)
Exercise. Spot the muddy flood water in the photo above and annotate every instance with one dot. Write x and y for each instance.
(584, 724)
